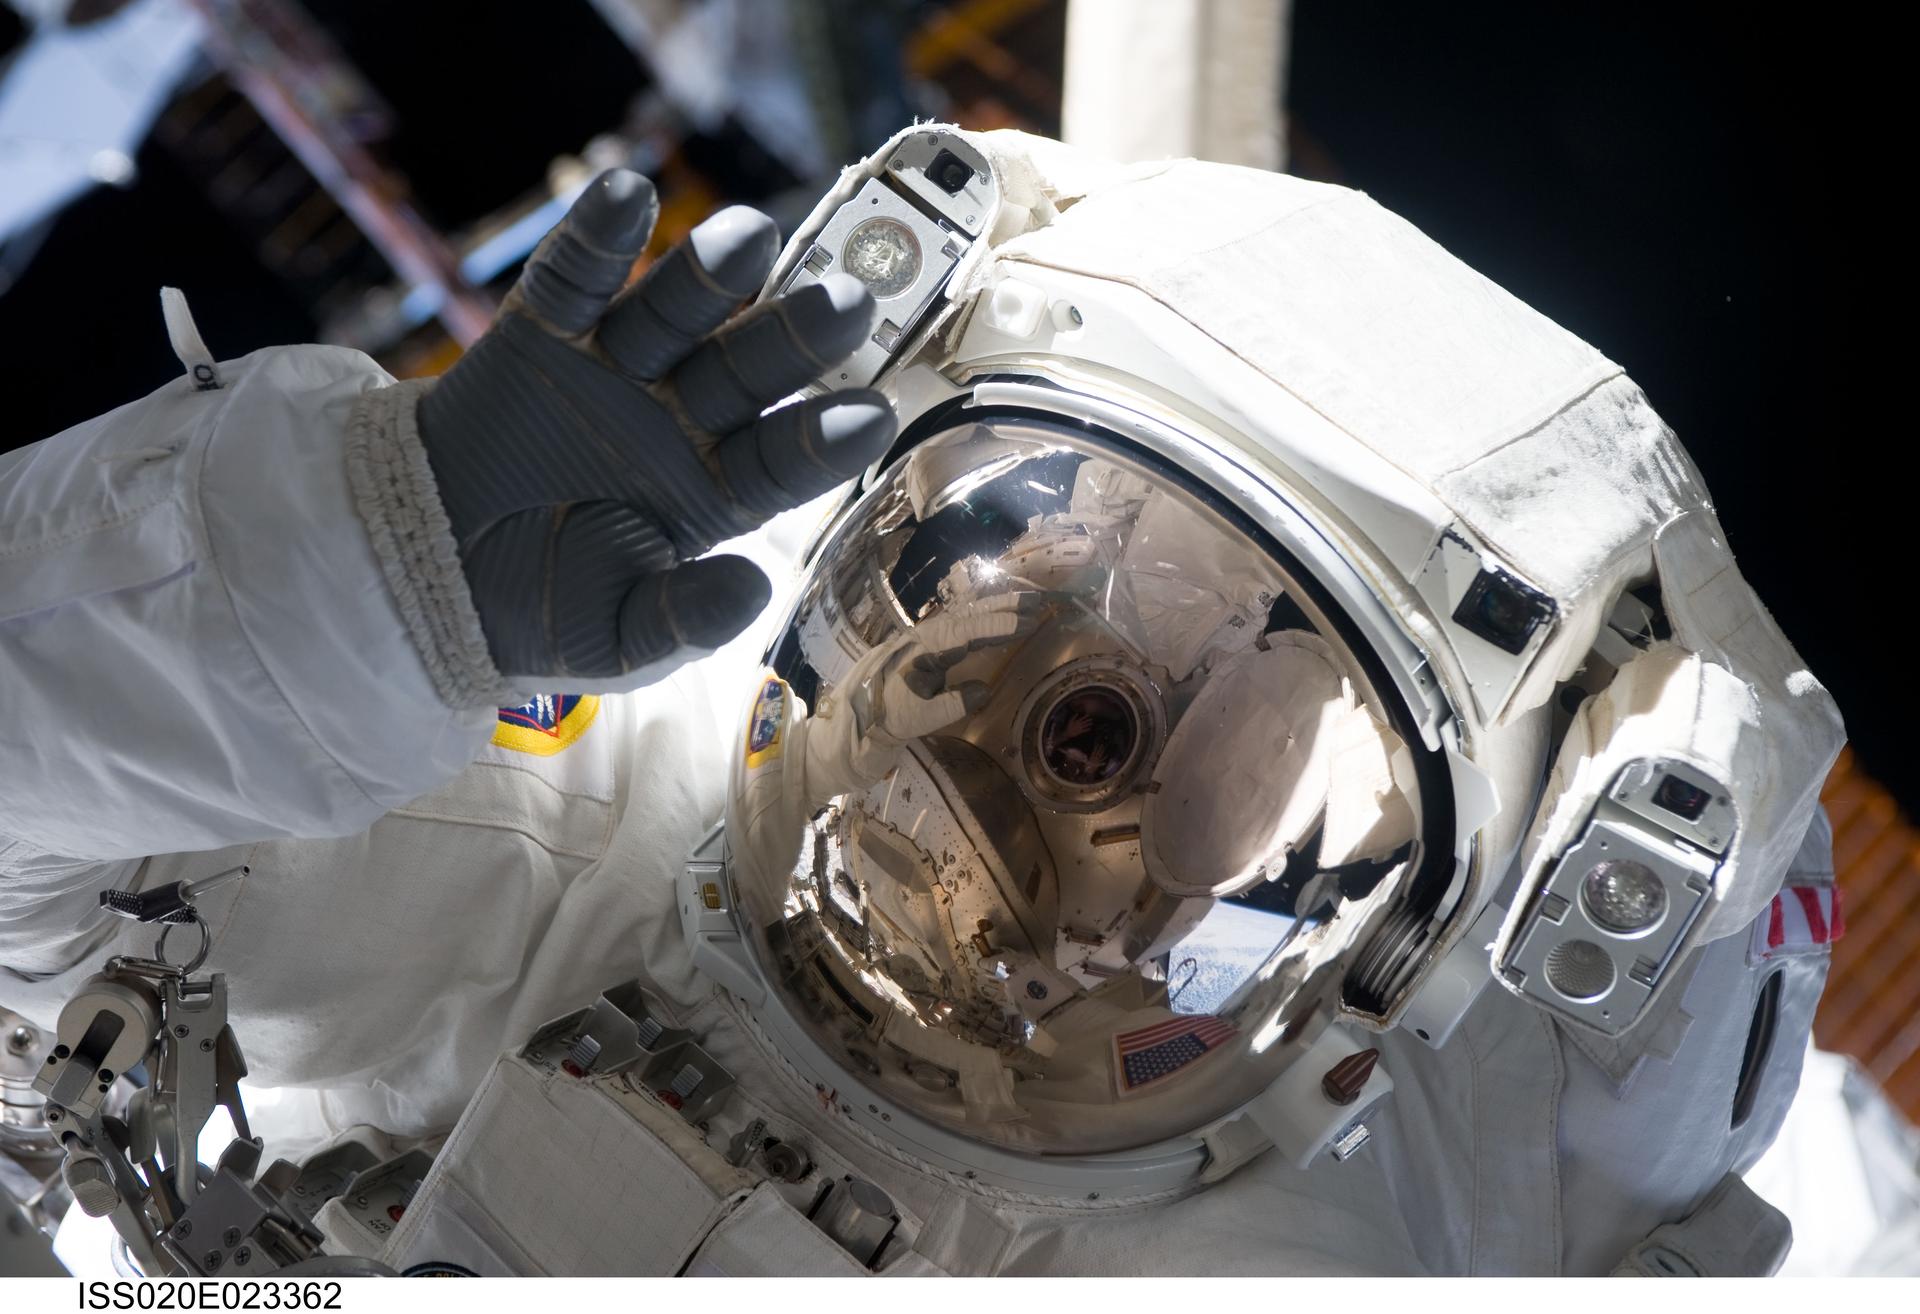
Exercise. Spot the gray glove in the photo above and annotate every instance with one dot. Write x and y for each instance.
(591, 445)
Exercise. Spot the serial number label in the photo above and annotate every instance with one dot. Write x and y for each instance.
(210, 1294)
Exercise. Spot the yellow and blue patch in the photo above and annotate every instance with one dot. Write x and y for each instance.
(546, 724)
(767, 726)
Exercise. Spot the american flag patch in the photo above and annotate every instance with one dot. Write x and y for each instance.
(1801, 919)
(1145, 1056)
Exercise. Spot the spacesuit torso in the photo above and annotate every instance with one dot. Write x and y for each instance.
(390, 969)
(1512, 1150)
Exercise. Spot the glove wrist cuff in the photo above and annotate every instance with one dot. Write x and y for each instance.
(407, 523)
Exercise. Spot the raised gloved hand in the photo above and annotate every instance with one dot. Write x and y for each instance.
(594, 443)
(899, 691)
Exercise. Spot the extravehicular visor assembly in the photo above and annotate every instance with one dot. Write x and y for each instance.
(1264, 623)
(1108, 903)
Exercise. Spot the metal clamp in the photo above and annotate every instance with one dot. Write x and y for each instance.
(143, 1170)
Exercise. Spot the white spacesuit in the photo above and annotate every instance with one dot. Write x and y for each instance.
(1247, 562)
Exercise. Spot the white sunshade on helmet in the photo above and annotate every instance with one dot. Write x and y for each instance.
(1192, 673)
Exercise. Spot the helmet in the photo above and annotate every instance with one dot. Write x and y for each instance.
(1264, 632)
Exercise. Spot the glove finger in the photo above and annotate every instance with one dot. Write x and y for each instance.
(909, 718)
(599, 549)
(1000, 619)
(772, 351)
(798, 452)
(698, 606)
(974, 694)
(579, 266)
(689, 292)
(926, 675)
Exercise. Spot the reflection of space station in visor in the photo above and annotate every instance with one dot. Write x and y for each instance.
(1163, 790)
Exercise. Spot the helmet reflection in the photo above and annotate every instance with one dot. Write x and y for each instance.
(1029, 646)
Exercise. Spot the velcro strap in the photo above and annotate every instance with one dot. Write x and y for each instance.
(1734, 1233)
(188, 345)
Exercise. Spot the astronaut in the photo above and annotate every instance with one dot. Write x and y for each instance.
(1273, 770)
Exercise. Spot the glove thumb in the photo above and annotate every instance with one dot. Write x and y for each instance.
(699, 605)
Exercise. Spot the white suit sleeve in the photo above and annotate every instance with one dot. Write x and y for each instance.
(198, 642)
